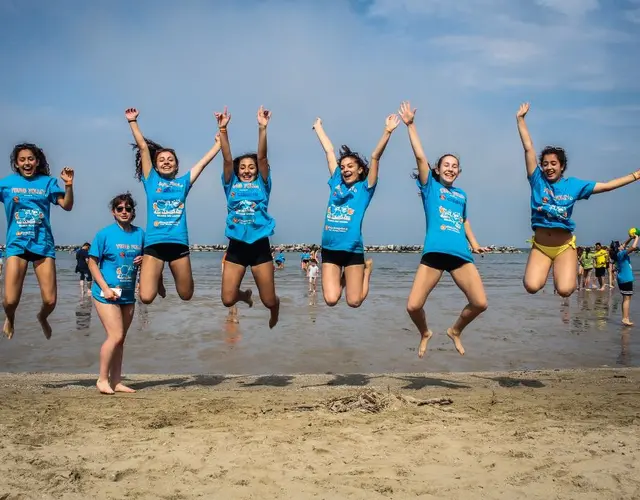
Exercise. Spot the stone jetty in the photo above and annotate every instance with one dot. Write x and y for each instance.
(299, 247)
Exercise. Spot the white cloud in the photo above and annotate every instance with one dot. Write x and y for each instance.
(571, 8)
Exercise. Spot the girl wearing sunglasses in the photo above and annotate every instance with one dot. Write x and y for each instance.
(167, 237)
(114, 257)
(27, 195)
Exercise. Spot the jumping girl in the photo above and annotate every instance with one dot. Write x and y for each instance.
(28, 195)
(447, 240)
(167, 237)
(114, 257)
(352, 184)
(553, 197)
(247, 185)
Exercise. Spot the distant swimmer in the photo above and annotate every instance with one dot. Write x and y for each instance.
(553, 197)
(352, 184)
(305, 256)
(82, 268)
(114, 257)
(167, 237)
(625, 276)
(247, 185)
(279, 259)
(28, 195)
(447, 240)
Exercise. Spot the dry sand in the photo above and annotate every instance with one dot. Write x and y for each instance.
(534, 435)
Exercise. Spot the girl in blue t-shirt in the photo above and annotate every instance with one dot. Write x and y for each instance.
(447, 240)
(625, 276)
(27, 196)
(114, 258)
(352, 184)
(247, 184)
(167, 238)
(553, 197)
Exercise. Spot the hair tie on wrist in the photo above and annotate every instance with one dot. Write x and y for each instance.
(132, 121)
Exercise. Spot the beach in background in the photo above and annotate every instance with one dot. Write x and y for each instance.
(519, 331)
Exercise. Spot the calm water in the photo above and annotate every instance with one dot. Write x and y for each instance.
(518, 331)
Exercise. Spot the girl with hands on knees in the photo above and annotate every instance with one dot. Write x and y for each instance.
(27, 195)
(167, 237)
(553, 197)
(352, 184)
(246, 180)
(447, 240)
(114, 258)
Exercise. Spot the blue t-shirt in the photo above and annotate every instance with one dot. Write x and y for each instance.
(552, 203)
(248, 219)
(345, 213)
(445, 210)
(623, 263)
(27, 203)
(115, 250)
(166, 208)
(279, 257)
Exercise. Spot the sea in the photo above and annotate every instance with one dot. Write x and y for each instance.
(518, 332)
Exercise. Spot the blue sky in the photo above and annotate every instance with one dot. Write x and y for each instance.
(69, 69)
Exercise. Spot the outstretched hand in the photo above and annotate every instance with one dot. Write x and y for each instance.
(67, 176)
(406, 113)
(222, 118)
(264, 115)
(391, 123)
(481, 250)
(317, 123)
(523, 110)
(131, 114)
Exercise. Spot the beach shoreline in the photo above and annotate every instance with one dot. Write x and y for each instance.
(519, 434)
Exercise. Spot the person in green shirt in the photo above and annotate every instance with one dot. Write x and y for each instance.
(586, 261)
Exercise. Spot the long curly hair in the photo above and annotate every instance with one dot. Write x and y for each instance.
(560, 153)
(238, 159)
(154, 150)
(345, 152)
(43, 164)
(126, 198)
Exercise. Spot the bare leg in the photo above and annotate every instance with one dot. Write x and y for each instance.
(231, 280)
(537, 271)
(626, 306)
(368, 269)
(355, 277)
(264, 276)
(425, 280)
(469, 281)
(331, 283)
(150, 275)
(45, 270)
(13, 282)
(111, 316)
(115, 369)
(565, 270)
(183, 277)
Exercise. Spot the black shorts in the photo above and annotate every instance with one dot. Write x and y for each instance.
(442, 261)
(167, 252)
(600, 272)
(342, 258)
(30, 256)
(249, 254)
(626, 288)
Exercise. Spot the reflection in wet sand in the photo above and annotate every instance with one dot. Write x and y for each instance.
(83, 314)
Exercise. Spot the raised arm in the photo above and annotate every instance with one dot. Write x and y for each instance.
(530, 159)
(131, 115)
(66, 201)
(634, 245)
(603, 187)
(390, 125)
(227, 160)
(332, 161)
(264, 116)
(471, 238)
(408, 115)
(197, 169)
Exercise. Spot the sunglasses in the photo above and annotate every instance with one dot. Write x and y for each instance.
(127, 208)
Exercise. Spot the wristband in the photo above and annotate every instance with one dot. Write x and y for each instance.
(222, 129)
(132, 120)
(635, 177)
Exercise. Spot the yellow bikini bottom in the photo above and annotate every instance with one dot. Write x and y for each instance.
(552, 252)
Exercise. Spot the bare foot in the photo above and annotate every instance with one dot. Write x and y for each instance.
(627, 322)
(456, 340)
(162, 291)
(275, 313)
(423, 343)
(46, 327)
(247, 297)
(104, 387)
(8, 329)
(123, 388)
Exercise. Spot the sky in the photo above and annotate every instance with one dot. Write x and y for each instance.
(70, 69)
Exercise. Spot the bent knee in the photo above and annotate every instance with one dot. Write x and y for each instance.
(331, 300)
(481, 306)
(414, 307)
(355, 303)
(532, 287)
(186, 295)
(565, 291)
(146, 298)
(228, 301)
(49, 302)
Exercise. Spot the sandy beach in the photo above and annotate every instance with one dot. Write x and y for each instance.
(535, 435)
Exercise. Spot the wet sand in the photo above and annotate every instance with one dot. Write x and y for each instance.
(537, 435)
